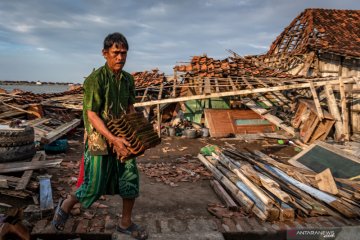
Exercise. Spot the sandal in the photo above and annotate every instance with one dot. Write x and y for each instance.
(134, 230)
(60, 217)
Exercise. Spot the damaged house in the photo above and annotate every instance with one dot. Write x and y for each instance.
(321, 43)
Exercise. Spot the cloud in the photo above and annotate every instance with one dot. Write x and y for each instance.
(61, 40)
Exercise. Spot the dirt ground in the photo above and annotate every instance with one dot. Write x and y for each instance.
(162, 208)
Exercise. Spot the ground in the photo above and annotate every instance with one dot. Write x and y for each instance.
(175, 210)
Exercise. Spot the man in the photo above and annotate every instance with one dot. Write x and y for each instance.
(109, 92)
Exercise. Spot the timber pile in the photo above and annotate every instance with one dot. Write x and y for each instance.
(275, 191)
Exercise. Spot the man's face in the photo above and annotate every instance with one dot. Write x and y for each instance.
(115, 57)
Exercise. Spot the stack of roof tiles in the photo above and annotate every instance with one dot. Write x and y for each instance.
(146, 78)
(328, 30)
(136, 130)
(203, 66)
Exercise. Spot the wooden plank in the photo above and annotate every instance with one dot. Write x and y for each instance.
(161, 90)
(242, 92)
(309, 127)
(220, 191)
(326, 183)
(334, 111)
(271, 118)
(344, 110)
(199, 82)
(316, 101)
(207, 89)
(238, 195)
(158, 119)
(216, 85)
(27, 174)
(11, 113)
(174, 85)
(37, 121)
(60, 131)
(23, 166)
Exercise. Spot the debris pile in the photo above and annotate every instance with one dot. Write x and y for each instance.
(149, 79)
(275, 191)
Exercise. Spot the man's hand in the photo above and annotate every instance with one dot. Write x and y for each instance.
(119, 146)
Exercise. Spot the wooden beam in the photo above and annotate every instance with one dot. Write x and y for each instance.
(271, 118)
(158, 119)
(145, 93)
(25, 179)
(316, 101)
(225, 197)
(242, 92)
(23, 166)
(60, 131)
(207, 89)
(161, 90)
(175, 82)
(216, 85)
(334, 111)
(239, 196)
(344, 110)
(37, 122)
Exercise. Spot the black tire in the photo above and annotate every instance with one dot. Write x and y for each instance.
(17, 153)
(12, 138)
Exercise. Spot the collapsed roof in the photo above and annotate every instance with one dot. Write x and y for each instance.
(326, 30)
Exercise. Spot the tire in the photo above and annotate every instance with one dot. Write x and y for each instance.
(12, 138)
(17, 153)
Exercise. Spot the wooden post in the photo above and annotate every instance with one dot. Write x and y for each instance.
(207, 86)
(217, 85)
(334, 110)
(344, 110)
(145, 93)
(316, 101)
(175, 82)
(158, 119)
(158, 109)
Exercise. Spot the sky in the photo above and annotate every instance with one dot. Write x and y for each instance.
(61, 40)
